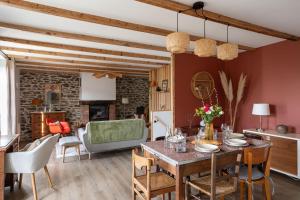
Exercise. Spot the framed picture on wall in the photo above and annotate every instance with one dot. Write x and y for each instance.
(52, 93)
(164, 85)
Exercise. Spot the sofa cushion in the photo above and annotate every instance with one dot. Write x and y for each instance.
(115, 130)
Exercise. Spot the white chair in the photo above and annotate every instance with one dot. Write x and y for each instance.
(31, 161)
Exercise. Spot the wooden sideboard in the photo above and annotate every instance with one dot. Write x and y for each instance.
(38, 122)
(285, 157)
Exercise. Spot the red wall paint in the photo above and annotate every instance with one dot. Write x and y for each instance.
(273, 77)
(186, 65)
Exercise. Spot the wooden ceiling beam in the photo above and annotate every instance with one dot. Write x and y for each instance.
(50, 10)
(81, 37)
(75, 70)
(84, 49)
(43, 64)
(111, 65)
(72, 55)
(222, 19)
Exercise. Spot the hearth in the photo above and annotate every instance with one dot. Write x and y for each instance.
(97, 110)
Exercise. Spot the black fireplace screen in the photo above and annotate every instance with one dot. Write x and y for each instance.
(99, 112)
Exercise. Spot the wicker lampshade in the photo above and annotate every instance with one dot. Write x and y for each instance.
(205, 47)
(178, 42)
(227, 51)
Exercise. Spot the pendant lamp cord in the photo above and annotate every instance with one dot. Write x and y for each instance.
(177, 21)
(227, 32)
(204, 23)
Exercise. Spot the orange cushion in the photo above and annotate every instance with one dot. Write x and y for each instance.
(55, 128)
(65, 127)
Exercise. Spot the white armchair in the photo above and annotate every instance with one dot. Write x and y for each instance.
(31, 161)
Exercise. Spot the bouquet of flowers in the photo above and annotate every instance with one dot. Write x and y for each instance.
(209, 112)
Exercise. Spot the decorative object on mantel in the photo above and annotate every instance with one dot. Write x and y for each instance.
(227, 51)
(177, 42)
(281, 128)
(36, 102)
(164, 85)
(110, 75)
(261, 109)
(208, 112)
(202, 85)
(228, 90)
(205, 47)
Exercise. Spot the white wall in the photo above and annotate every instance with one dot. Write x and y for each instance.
(97, 89)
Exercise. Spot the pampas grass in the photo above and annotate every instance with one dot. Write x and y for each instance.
(228, 90)
(239, 95)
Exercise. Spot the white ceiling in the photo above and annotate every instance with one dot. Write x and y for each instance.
(276, 14)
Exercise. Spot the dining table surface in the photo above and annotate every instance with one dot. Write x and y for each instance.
(189, 162)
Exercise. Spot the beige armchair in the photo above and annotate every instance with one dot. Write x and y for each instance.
(31, 161)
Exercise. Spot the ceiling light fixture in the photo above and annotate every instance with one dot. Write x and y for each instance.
(227, 51)
(204, 47)
(110, 75)
(178, 42)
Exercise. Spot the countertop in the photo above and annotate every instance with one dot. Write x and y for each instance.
(273, 133)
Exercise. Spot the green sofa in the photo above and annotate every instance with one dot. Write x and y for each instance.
(100, 136)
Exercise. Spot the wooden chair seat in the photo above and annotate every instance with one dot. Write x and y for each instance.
(158, 181)
(223, 187)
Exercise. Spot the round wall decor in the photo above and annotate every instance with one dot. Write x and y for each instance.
(202, 85)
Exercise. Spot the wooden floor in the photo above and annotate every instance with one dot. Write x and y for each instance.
(107, 177)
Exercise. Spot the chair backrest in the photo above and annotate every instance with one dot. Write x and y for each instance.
(41, 154)
(224, 161)
(258, 155)
(140, 162)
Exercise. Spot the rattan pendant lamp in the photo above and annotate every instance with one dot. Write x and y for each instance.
(227, 51)
(178, 42)
(205, 47)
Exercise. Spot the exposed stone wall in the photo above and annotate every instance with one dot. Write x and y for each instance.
(136, 89)
(32, 85)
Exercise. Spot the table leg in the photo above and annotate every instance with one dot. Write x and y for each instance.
(2, 175)
(179, 184)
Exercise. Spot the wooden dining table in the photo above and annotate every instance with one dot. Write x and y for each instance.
(185, 164)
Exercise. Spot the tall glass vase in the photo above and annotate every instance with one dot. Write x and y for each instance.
(209, 131)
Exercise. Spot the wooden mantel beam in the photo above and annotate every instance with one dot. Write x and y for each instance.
(72, 55)
(81, 37)
(84, 49)
(50, 10)
(176, 6)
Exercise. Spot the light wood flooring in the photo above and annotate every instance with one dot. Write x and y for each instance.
(108, 177)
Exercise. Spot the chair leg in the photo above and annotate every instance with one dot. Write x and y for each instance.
(48, 176)
(250, 191)
(34, 186)
(163, 196)
(222, 198)
(20, 181)
(78, 150)
(133, 192)
(267, 189)
(64, 153)
(169, 196)
(90, 156)
(187, 191)
(242, 190)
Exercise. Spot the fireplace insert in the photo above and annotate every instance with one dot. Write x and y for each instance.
(99, 112)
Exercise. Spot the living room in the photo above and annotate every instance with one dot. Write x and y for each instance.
(93, 95)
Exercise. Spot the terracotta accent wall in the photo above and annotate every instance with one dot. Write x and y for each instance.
(186, 65)
(273, 77)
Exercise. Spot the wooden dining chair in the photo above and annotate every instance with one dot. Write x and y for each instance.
(149, 185)
(217, 184)
(251, 174)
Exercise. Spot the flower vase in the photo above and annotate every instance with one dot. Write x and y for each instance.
(209, 131)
